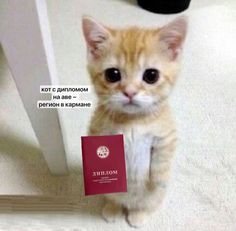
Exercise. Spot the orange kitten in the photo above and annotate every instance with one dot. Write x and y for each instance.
(133, 71)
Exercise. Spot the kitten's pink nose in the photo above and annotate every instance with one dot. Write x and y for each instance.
(129, 94)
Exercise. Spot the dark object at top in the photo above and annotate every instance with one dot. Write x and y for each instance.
(164, 6)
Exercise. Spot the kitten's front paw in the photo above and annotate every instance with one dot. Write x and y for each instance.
(137, 218)
(111, 212)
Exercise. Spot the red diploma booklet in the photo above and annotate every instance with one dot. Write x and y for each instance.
(103, 164)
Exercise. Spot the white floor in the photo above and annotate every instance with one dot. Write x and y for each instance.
(202, 192)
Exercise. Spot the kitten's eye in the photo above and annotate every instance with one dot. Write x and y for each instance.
(112, 75)
(151, 76)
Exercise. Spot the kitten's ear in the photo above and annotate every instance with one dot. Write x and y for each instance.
(96, 36)
(173, 36)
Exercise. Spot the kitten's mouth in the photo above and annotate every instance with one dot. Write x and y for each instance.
(131, 103)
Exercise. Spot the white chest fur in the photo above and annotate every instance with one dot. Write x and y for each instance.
(137, 152)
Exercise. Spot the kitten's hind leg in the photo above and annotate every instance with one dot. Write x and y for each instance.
(111, 211)
(137, 218)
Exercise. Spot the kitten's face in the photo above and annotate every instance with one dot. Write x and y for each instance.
(134, 69)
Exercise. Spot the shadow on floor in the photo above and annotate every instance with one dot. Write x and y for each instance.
(36, 204)
(3, 66)
(26, 160)
(131, 2)
(55, 193)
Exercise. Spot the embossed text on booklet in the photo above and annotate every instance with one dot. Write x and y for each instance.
(103, 164)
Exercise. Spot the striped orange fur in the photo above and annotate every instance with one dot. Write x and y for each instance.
(133, 71)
